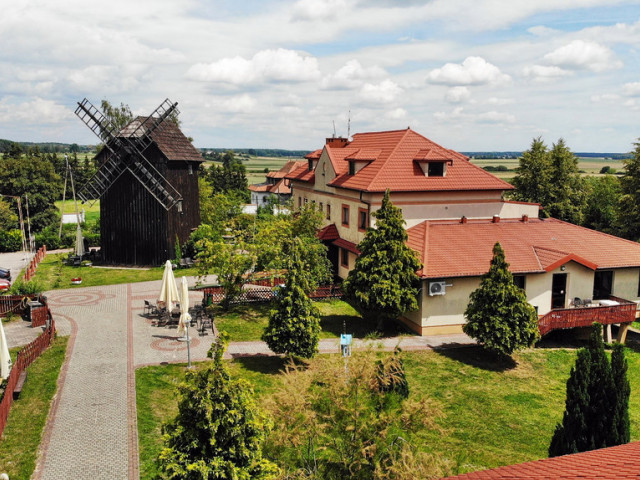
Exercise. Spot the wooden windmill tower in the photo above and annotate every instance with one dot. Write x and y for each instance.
(147, 183)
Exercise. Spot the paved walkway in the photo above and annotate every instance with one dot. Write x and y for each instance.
(92, 430)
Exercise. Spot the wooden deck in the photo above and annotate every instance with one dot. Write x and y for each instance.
(624, 312)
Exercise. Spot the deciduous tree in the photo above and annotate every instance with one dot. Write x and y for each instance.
(629, 205)
(498, 314)
(383, 284)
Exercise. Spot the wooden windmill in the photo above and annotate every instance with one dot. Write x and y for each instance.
(147, 185)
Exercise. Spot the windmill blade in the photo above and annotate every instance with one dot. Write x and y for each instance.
(154, 182)
(140, 136)
(102, 180)
(104, 129)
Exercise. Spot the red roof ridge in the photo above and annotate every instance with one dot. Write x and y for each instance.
(406, 132)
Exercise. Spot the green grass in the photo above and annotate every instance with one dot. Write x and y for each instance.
(53, 274)
(91, 212)
(247, 322)
(21, 439)
(492, 414)
(591, 166)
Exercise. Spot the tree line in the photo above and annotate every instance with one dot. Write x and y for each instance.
(550, 176)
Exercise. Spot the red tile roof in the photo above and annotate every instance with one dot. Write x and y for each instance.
(328, 233)
(453, 249)
(613, 463)
(279, 187)
(287, 168)
(394, 158)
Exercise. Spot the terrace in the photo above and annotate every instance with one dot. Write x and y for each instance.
(614, 310)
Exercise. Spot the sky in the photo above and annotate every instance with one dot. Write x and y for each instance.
(471, 75)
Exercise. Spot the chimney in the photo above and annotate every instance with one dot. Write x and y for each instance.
(525, 218)
(337, 142)
(463, 219)
(496, 219)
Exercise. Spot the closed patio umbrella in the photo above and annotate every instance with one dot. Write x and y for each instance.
(79, 242)
(185, 318)
(5, 359)
(169, 290)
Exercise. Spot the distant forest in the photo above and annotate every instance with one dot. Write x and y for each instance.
(212, 153)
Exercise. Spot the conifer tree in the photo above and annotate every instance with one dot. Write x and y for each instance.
(566, 187)
(294, 325)
(533, 174)
(622, 391)
(596, 413)
(629, 206)
(217, 433)
(498, 314)
(383, 285)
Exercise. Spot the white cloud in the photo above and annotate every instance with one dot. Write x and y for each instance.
(499, 101)
(473, 71)
(459, 114)
(606, 97)
(37, 111)
(384, 92)
(396, 114)
(632, 89)
(542, 31)
(279, 65)
(584, 55)
(457, 94)
(495, 117)
(312, 10)
(351, 75)
(238, 104)
(543, 73)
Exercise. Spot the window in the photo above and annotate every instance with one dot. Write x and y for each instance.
(321, 207)
(435, 169)
(520, 281)
(363, 219)
(306, 200)
(299, 202)
(345, 215)
(328, 212)
(602, 284)
(344, 258)
(310, 164)
(190, 169)
(352, 168)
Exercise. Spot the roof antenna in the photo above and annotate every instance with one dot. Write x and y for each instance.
(349, 125)
(334, 129)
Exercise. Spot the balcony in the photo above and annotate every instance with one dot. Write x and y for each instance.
(613, 311)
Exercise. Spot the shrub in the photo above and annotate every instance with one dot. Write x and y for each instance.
(10, 240)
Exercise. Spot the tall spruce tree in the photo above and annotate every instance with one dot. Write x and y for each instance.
(533, 174)
(629, 206)
(383, 285)
(596, 413)
(294, 325)
(217, 433)
(566, 188)
(498, 314)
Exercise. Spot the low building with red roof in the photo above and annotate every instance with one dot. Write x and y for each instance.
(455, 212)
(614, 463)
(274, 185)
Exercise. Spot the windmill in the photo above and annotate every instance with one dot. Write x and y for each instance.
(127, 153)
(141, 211)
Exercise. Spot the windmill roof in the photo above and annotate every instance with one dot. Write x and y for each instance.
(169, 139)
(614, 463)
(449, 248)
(393, 161)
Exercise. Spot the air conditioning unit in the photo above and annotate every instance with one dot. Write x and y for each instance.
(437, 288)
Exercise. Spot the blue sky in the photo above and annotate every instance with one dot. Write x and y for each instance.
(468, 74)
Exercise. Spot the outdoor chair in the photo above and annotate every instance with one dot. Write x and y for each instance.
(577, 302)
(205, 323)
(150, 308)
(183, 263)
(587, 302)
(189, 261)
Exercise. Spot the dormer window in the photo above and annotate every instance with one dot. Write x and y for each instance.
(310, 164)
(352, 168)
(436, 169)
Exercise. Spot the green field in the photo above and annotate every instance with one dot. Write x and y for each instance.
(92, 212)
(492, 414)
(590, 166)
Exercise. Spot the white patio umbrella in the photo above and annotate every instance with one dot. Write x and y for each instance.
(79, 242)
(169, 290)
(5, 359)
(185, 318)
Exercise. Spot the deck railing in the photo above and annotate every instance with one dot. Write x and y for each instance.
(574, 317)
(257, 294)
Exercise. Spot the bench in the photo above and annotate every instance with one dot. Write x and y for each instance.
(19, 384)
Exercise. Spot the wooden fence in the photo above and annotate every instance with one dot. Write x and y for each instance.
(585, 316)
(214, 295)
(30, 271)
(25, 357)
(14, 303)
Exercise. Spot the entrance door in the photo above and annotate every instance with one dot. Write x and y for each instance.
(559, 290)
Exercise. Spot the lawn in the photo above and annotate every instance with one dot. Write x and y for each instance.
(21, 438)
(53, 274)
(247, 322)
(589, 165)
(492, 414)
